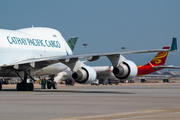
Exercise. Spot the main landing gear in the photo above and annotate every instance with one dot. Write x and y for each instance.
(0, 85)
(51, 83)
(24, 86)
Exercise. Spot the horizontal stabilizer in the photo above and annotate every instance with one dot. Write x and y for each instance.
(167, 67)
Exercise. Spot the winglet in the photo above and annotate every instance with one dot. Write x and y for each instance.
(174, 44)
(72, 42)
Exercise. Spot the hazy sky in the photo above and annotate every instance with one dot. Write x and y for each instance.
(106, 25)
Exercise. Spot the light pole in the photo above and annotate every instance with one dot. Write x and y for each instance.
(85, 45)
(123, 48)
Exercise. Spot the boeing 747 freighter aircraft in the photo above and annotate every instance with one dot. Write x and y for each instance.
(41, 51)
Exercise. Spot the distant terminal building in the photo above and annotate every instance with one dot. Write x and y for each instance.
(160, 75)
(153, 77)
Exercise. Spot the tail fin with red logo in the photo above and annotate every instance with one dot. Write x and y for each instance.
(160, 58)
(158, 61)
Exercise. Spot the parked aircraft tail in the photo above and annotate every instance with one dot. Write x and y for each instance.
(174, 44)
(159, 59)
(72, 42)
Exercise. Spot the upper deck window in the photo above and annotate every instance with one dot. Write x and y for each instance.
(54, 36)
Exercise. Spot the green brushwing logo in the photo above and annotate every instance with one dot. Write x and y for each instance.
(72, 42)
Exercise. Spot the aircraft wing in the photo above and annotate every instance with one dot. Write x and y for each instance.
(91, 57)
(45, 61)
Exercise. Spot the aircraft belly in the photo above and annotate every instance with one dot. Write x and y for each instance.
(49, 70)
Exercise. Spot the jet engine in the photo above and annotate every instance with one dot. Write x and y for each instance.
(126, 70)
(85, 75)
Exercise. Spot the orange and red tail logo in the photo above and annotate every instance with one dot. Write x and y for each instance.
(159, 59)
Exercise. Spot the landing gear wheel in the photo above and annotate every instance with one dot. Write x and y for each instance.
(25, 87)
(54, 85)
(31, 86)
(19, 87)
(0, 86)
(48, 85)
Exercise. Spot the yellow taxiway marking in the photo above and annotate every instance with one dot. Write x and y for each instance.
(28, 93)
(34, 118)
(138, 114)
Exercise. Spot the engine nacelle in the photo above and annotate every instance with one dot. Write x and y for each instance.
(126, 70)
(85, 75)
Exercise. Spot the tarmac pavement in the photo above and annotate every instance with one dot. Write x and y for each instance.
(127, 101)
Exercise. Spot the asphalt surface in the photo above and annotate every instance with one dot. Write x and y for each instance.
(122, 102)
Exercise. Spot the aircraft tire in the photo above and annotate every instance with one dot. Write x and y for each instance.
(0, 86)
(48, 85)
(54, 85)
(28, 87)
(25, 87)
(19, 87)
(31, 85)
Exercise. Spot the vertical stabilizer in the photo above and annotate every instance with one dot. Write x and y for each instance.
(72, 42)
(174, 44)
(160, 58)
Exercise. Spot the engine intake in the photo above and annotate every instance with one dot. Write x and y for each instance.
(126, 70)
(85, 75)
(81, 75)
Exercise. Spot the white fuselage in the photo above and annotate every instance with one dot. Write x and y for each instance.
(31, 43)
